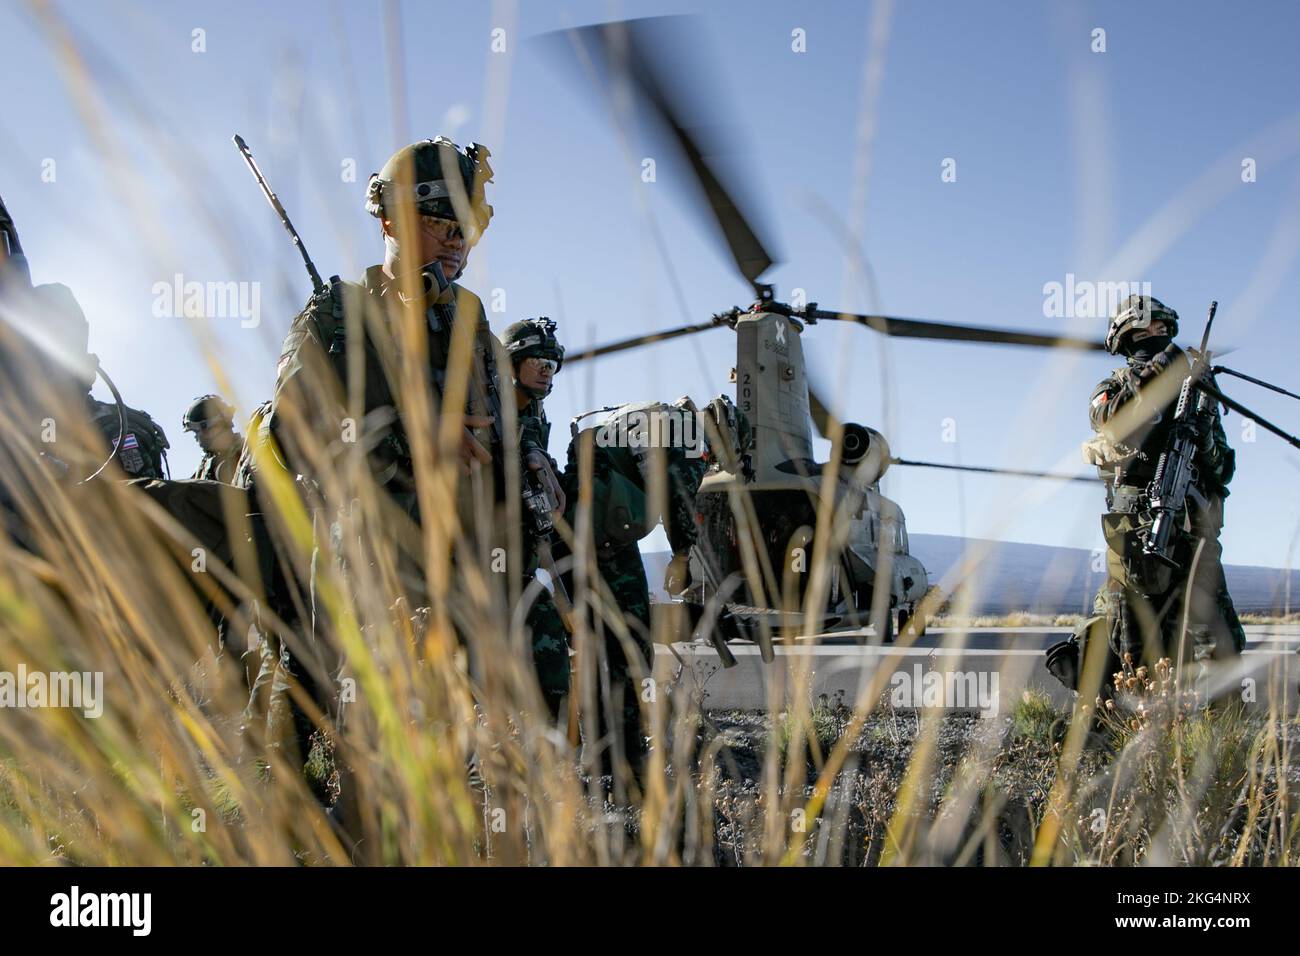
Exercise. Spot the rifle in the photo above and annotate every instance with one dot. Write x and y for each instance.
(1174, 470)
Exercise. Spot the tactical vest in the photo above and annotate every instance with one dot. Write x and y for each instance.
(373, 317)
(534, 428)
(218, 466)
(328, 313)
(1132, 464)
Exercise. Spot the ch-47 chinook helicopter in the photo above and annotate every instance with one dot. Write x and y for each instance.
(754, 511)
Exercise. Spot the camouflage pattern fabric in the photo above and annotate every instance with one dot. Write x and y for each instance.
(623, 572)
(312, 372)
(311, 387)
(1216, 463)
(548, 635)
(1145, 601)
(682, 472)
(144, 444)
(535, 430)
(621, 569)
(549, 639)
(218, 466)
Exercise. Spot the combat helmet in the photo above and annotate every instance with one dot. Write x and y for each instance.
(533, 338)
(207, 408)
(418, 175)
(1138, 312)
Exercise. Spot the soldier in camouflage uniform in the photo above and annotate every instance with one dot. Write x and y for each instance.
(141, 449)
(50, 378)
(430, 200)
(211, 420)
(536, 357)
(629, 465)
(1131, 410)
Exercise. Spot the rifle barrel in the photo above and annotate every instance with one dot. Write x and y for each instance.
(1205, 336)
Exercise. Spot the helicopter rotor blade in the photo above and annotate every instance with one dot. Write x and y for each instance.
(633, 50)
(1017, 472)
(924, 329)
(823, 418)
(638, 341)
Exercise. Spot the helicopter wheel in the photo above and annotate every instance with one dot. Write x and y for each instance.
(862, 601)
(907, 623)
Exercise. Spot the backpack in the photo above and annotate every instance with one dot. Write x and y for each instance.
(621, 442)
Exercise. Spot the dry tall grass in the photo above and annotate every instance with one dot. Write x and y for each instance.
(165, 776)
(443, 754)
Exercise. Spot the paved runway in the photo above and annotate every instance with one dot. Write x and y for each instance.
(982, 669)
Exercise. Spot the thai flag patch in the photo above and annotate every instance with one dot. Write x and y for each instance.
(130, 456)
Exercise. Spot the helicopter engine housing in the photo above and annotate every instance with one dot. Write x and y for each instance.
(866, 451)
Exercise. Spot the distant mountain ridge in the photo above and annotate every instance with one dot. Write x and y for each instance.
(1042, 579)
(1014, 576)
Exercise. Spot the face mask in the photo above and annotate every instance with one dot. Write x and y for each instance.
(1149, 348)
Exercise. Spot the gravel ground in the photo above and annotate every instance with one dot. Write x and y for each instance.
(1018, 771)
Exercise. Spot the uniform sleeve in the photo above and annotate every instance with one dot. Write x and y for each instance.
(1108, 398)
(684, 476)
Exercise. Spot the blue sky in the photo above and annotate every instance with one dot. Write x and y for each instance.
(1123, 165)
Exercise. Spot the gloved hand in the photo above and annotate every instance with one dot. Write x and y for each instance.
(1205, 431)
(677, 576)
(472, 452)
(538, 462)
(1159, 363)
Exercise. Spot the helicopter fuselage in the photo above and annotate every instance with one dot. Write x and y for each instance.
(777, 491)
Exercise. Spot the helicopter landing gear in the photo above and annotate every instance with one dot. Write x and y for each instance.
(862, 601)
(909, 624)
(887, 627)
